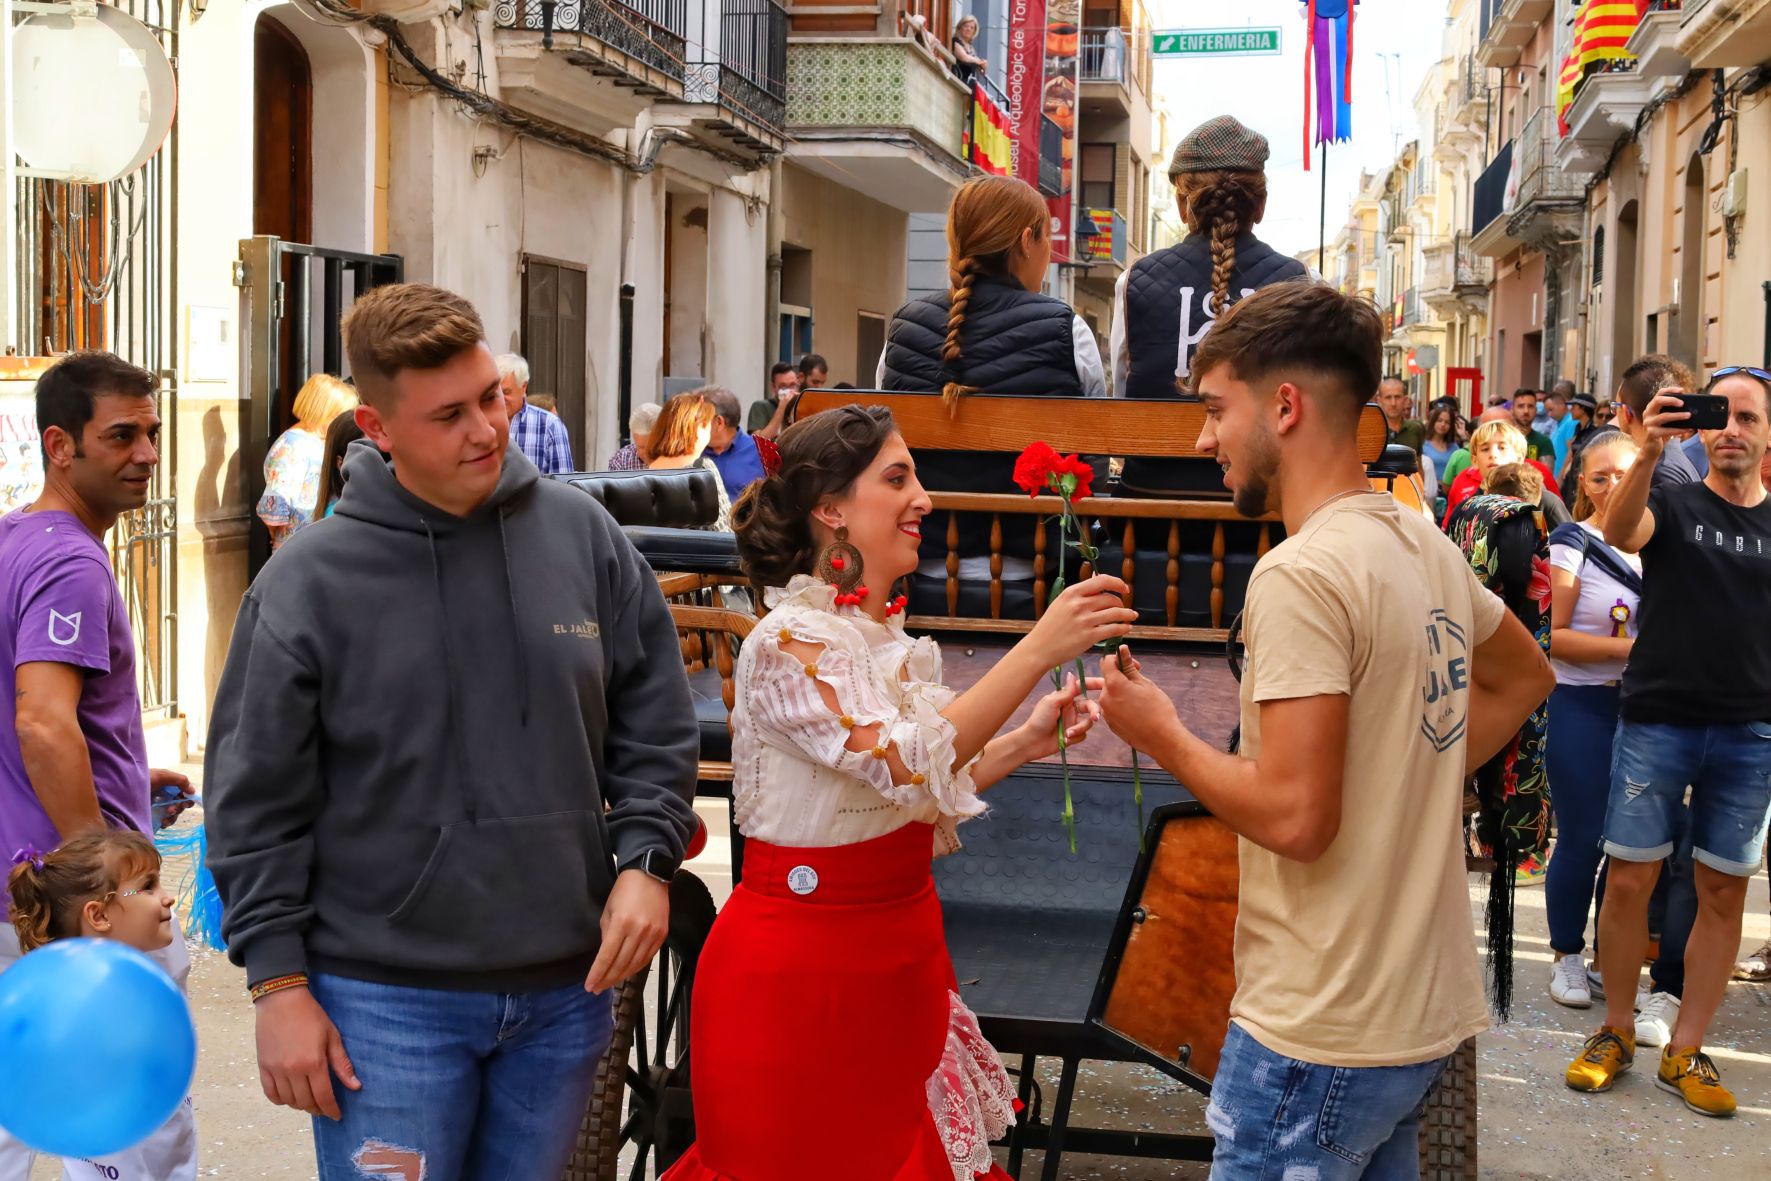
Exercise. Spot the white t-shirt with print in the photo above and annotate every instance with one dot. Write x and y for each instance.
(1606, 607)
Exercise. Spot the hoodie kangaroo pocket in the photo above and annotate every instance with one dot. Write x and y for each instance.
(512, 892)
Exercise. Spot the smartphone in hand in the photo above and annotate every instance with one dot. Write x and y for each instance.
(1709, 412)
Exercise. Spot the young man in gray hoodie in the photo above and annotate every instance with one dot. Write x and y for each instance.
(449, 776)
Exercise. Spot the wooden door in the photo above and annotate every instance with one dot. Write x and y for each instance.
(282, 124)
(282, 174)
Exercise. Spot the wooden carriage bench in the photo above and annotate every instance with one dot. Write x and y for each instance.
(1187, 561)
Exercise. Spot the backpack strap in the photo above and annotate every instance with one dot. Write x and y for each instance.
(1595, 550)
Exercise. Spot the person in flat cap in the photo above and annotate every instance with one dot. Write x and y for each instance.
(1167, 301)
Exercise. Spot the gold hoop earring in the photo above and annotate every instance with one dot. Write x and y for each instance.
(839, 563)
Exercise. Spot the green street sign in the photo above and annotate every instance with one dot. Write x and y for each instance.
(1215, 43)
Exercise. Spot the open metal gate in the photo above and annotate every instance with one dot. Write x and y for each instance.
(292, 298)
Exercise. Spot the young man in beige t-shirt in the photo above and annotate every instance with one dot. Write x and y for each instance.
(1380, 673)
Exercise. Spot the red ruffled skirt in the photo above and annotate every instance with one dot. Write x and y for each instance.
(828, 1038)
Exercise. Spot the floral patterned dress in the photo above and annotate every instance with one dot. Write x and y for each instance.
(291, 482)
(1506, 546)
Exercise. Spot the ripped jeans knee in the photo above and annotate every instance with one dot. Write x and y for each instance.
(381, 1161)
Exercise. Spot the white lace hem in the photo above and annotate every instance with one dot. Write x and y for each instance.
(970, 1095)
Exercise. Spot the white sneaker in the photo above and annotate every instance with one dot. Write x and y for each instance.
(1595, 981)
(1655, 1021)
(1568, 983)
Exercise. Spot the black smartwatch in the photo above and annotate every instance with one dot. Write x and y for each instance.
(654, 863)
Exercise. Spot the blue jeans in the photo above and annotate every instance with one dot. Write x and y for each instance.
(1278, 1119)
(483, 1086)
(1583, 721)
(1728, 768)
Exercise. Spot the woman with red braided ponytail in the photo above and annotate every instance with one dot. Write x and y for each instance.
(991, 332)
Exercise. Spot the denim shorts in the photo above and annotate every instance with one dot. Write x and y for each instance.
(1727, 767)
(1278, 1119)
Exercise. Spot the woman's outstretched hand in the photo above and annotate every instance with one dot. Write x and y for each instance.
(1086, 614)
(1039, 733)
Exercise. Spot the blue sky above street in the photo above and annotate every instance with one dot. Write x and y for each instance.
(1395, 43)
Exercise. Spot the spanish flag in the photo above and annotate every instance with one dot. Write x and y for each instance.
(989, 148)
(1602, 30)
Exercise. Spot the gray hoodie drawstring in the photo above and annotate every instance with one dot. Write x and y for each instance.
(436, 572)
(516, 623)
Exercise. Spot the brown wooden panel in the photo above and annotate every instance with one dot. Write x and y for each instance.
(1177, 975)
(1113, 426)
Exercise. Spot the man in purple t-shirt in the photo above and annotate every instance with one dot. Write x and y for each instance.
(74, 757)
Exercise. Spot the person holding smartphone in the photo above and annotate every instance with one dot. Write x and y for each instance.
(1635, 389)
(1706, 577)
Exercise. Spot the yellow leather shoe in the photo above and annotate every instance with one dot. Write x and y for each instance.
(1690, 1075)
(1606, 1055)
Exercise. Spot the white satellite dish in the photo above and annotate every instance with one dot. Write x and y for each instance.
(93, 99)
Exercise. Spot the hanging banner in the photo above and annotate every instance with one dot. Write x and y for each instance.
(1063, 45)
(1025, 81)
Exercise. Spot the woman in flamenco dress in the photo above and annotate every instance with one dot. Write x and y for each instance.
(830, 1040)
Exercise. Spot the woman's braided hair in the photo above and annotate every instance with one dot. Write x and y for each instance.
(1223, 204)
(987, 218)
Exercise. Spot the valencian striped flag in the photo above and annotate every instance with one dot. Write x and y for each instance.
(990, 133)
(1602, 31)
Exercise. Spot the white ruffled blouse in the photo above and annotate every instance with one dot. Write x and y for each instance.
(795, 782)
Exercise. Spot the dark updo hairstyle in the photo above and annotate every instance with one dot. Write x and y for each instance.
(822, 455)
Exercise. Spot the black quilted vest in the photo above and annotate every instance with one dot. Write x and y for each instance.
(1014, 341)
(1168, 305)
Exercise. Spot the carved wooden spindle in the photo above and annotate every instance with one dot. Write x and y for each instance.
(1038, 568)
(728, 688)
(1129, 566)
(952, 565)
(1172, 596)
(996, 565)
(1084, 569)
(1265, 542)
(1217, 575)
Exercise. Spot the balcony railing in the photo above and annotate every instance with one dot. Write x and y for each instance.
(748, 73)
(1104, 54)
(652, 32)
(1539, 178)
(1103, 236)
(1409, 309)
(1489, 200)
(1452, 267)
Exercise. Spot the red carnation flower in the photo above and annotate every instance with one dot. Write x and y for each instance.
(1034, 468)
(1070, 465)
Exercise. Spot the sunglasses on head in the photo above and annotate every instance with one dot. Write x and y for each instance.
(1731, 370)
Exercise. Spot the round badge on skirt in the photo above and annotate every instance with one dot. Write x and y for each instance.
(802, 879)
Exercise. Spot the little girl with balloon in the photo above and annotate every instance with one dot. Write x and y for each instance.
(96, 1037)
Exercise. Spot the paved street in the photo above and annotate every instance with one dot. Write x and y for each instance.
(1531, 1126)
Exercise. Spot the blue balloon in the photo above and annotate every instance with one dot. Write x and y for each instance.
(98, 1046)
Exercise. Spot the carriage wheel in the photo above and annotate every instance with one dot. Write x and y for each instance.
(648, 1060)
(1448, 1125)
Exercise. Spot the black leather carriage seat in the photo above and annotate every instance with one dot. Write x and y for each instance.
(665, 514)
